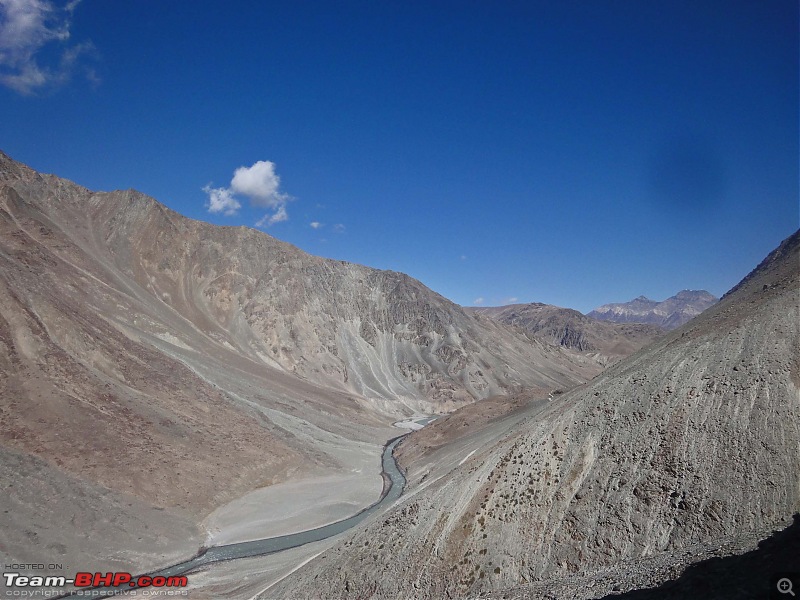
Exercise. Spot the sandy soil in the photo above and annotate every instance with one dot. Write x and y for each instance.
(414, 423)
(293, 506)
(305, 503)
(288, 508)
(313, 500)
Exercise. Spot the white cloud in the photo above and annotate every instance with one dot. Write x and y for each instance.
(463, 257)
(478, 301)
(339, 228)
(260, 184)
(26, 26)
(316, 225)
(510, 300)
(221, 200)
(277, 217)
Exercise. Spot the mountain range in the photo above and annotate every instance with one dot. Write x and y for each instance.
(155, 370)
(167, 384)
(669, 314)
(686, 450)
(571, 329)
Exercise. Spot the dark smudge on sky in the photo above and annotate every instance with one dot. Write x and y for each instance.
(687, 174)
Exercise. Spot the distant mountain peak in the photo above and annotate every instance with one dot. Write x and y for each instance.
(671, 313)
(572, 329)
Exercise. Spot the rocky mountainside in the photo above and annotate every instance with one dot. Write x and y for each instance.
(688, 445)
(669, 314)
(154, 368)
(571, 329)
(380, 334)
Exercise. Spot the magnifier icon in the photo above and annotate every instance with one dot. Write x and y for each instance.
(785, 586)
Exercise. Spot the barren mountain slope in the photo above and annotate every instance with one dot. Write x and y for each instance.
(570, 328)
(121, 425)
(162, 364)
(690, 442)
(378, 333)
(669, 314)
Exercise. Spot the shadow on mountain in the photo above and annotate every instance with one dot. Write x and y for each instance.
(744, 576)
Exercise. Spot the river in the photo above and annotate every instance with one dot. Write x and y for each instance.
(393, 489)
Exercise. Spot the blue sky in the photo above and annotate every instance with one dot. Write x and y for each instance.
(574, 153)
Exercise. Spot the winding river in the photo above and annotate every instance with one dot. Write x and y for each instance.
(393, 489)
